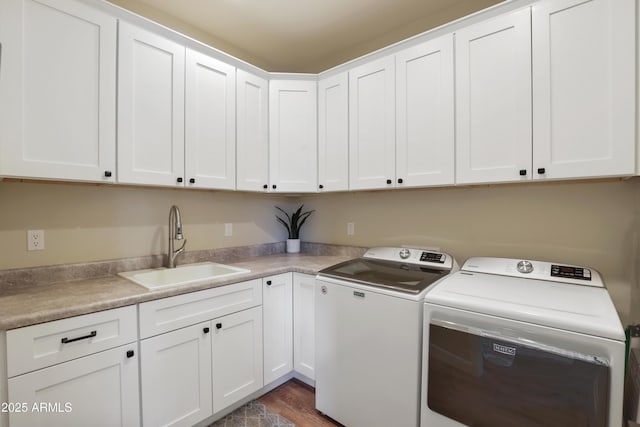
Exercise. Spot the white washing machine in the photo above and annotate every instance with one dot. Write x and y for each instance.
(521, 343)
(369, 335)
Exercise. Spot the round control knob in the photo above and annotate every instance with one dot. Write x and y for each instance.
(405, 253)
(525, 267)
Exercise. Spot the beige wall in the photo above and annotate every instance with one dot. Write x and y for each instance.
(87, 223)
(593, 224)
(586, 223)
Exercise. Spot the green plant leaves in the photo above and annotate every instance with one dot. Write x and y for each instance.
(294, 221)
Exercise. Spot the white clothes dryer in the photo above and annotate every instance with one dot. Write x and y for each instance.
(521, 343)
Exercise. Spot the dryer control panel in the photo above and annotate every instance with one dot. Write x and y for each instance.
(570, 272)
(540, 270)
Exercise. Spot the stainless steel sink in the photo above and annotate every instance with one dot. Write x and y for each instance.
(183, 275)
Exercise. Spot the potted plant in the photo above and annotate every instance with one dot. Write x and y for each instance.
(293, 224)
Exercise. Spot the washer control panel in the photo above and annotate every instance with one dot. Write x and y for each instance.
(416, 256)
(540, 270)
(432, 257)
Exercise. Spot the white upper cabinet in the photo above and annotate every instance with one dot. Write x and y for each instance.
(372, 125)
(293, 144)
(57, 91)
(493, 100)
(583, 88)
(425, 114)
(252, 144)
(333, 133)
(150, 108)
(210, 122)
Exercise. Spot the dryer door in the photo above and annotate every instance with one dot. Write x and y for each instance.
(503, 375)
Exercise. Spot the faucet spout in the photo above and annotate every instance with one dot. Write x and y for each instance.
(175, 233)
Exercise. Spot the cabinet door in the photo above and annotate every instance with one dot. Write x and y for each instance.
(252, 145)
(97, 390)
(424, 114)
(372, 125)
(150, 108)
(583, 88)
(237, 357)
(304, 324)
(333, 133)
(58, 86)
(210, 122)
(176, 377)
(493, 100)
(277, 303)
(293, 154)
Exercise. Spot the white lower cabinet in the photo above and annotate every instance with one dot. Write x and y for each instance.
(176, 377)
(199, 353)
(78, 371)
(207, 364)
(277, 303)
(96, 390)
(237, 356)
(304, 330)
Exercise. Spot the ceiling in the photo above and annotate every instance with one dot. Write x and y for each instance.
(301, 35)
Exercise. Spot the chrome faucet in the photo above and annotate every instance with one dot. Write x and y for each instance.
(175, 233)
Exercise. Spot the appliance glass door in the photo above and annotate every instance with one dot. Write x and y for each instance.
(481, 381)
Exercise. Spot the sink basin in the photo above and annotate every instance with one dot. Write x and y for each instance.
(183, 275)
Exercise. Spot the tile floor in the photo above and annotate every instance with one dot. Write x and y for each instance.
(253, 414)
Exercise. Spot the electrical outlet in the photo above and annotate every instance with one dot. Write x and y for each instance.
(228, 229)
(35, 240)
(351, 228)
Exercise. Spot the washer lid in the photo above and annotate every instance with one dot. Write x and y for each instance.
(583, 309)
(397, 276)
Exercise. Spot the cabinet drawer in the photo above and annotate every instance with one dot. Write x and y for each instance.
(172, 313)
(46, 344)
(100, 390)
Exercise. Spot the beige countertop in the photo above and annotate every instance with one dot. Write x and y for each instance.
(30, 304)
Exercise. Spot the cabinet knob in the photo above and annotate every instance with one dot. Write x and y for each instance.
(400, 181)
(523, 172)
(192, 180)
(205, 330)
(179, 179)
(107, 174)
(541, 171)
(265, 186)
(218, 325)
(130, 354)
(274, 186)
(389, 181)
(268, 282)
(321, 186)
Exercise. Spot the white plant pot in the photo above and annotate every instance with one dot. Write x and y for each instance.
(293, 246)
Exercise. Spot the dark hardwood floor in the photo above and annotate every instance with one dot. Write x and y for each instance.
(295, 401)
